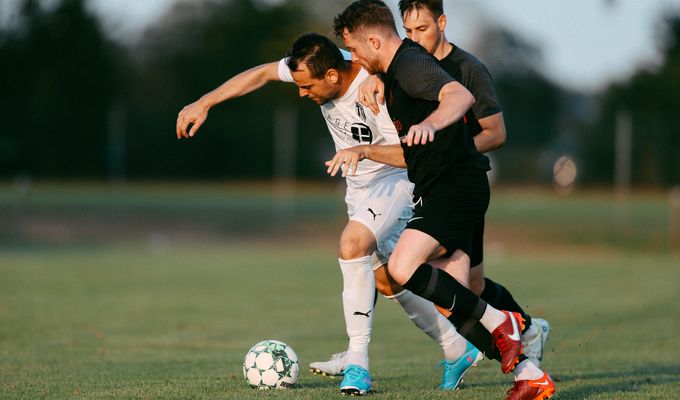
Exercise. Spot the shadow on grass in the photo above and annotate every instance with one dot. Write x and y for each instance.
(572, 386)
(633, 380)
(319, 384)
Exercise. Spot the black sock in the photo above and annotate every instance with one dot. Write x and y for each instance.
(500, 298)
(445, 291)
(476, 334)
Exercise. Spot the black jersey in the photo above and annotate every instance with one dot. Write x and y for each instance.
(471, 73)
(412, 85)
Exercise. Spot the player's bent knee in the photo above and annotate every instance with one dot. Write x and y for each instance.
(351, 249)
(477, 282)
(356, 246)
(399, 271)
(385, 284)
(383, 287)
(476, 286)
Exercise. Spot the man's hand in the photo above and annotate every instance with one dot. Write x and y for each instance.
(371, 92)
(420, 134)
(194, 114)
(347, 160)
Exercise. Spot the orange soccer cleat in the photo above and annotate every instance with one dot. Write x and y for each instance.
(536, 389)
(508, 339)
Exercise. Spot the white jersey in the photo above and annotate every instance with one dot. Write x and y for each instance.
(351, 124)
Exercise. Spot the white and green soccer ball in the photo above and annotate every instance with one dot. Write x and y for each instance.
(271, 364)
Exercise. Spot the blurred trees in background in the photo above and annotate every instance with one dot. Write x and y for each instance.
(76, 104)
(652, 100)
(58, 74)
(531, 103)
(196, 47)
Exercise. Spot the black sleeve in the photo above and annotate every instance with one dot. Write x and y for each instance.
(420, 75)
(477, 79)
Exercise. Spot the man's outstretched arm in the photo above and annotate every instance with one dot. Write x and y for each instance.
(247, 81)
(347, 160)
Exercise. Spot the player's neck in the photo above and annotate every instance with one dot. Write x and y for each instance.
(391, 47)
(443, 49)
(347, 77)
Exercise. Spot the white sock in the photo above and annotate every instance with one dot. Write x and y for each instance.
(358, 298)
(426, 317)
(530, 333)
(526, 370)
(492, 318)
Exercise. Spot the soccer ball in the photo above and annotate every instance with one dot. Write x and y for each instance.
(271, 364)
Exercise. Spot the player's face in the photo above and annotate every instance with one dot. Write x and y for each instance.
(318, 90)
(421, 27)
(362, 53)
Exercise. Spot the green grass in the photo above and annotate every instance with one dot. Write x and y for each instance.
(126, 322)
(116, 315)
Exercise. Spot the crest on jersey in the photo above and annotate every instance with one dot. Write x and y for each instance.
(399, 127)
(362, 133)
(360, 111)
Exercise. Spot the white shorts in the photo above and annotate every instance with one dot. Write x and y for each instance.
(384, 208)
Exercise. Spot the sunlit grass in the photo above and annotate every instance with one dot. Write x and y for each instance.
(138, 308)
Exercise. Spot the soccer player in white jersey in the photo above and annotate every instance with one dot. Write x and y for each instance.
(379, 198)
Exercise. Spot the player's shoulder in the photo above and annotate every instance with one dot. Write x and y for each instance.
(410, 58)
(410, 49)
(466, 59)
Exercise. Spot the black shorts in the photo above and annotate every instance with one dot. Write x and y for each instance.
(453, 213)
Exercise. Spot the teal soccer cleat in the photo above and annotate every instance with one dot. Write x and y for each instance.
(357, 381)
(454, 370)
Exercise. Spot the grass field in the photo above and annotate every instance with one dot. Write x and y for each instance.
(158, 291)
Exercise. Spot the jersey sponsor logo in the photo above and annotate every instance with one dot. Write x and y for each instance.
(361, 133)
(360, 111)
(347, 129)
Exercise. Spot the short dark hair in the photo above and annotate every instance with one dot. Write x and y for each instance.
(316, 51)
(363, 13)
(436, 7)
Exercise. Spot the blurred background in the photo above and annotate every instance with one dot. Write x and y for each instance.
(91, 89)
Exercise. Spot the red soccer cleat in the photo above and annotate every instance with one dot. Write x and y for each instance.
(537, 389)
(508, 339)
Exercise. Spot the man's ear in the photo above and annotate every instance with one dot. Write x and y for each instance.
(374, 42)
(441, 22)
(332, 76)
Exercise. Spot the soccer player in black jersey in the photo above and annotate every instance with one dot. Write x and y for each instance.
(427, 107)
(424, 23)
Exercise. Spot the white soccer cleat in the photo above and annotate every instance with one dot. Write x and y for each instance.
(534, 345)
(332, 367)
